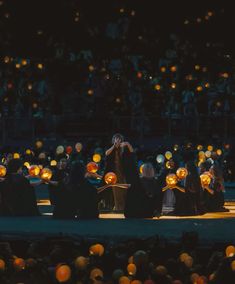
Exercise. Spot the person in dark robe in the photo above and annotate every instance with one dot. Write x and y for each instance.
(193, 191)
(118, 158)
(17, 195)
(78, 198)
(151, 193)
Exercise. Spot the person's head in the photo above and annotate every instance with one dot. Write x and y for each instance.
(148, 170)
(14, 166)
(62, 164)
(117, 138)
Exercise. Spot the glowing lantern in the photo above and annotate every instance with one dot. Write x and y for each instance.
(53, 163)
(160, 159)
(181, 173)
(69, 149)
(81, 263)
(161, 270)
(16, 156)
(199, 88)
(163, 69)
(183, 256)
(28, 152)
(34, 171)
(46, 174)
(208, 154)
(40, 66)
(60, 150)
(186, 22)
(24, 62)
(199, 20)
(139, 75)
(199, 147)
(207, 85)
(18, 66)
(27, 165)
(6, 59)
(170, 165)
(96, 158)
(197, 67)
(91, 68)
(78, 147)
(230, 251)
(96, 249)
(110, 178)
(35, 105)
(173, 68)
(210, 148)
(171, 180)
(157, 87)
(96, 272)
(176, 147)
(90, 92)
(2, 265)
(173, 85)
(3, 171)
(92, 167)
(19, 264)
(141, 169)
(219, 152)
(131, 269)
(124, 280)
(63, 273)
(168, 155)
(39, 144)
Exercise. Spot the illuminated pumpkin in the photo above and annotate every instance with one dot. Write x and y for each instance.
(205, 179)
(19, 264)
(168, 155)
(210, 148)
(199, 88)
(131, 269)
(16, 156)
(69, 149)
(3, 171)
(110, 178)
(46, 174)
(96, 249)
(124, 280)
(171, 180)
(27, 165)
(63, 273)
(96, 158)
(230, 251)
(60, 150)
(181, 173)
(81, 263)
(2, 265)
(92, 167)
(53, 163)
(160, 159)
(96, 272)
(78, 147)
(39, 144)
(34, 171)
(173, 68)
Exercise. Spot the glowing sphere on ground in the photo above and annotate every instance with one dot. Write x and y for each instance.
(81, 263)
(96, 272)
(168, 155)
(92, 167)
(96, 158)
(230, 251)
(3, 171)
(131, 269)
(53, 163)
(39, 144)
(2, 265)
(124, 280)
(171, 180)
(16, 156)
(110, 178)
(96, 249)
(160, 159)
(78, 147)
(19, 264)
(69, 149)
(60, 150)
(34, 171)
(181, 173)
(205, 179)
(63, 273)
(46, 174)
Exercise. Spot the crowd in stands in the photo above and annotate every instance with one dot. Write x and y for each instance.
(151, 261)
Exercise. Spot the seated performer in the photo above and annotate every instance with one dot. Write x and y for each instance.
(17, 196)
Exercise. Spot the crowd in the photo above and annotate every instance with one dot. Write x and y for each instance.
(131, 262)
(182, 180)
(126, 67)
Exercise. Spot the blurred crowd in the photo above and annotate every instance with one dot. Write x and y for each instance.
(131, 262)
